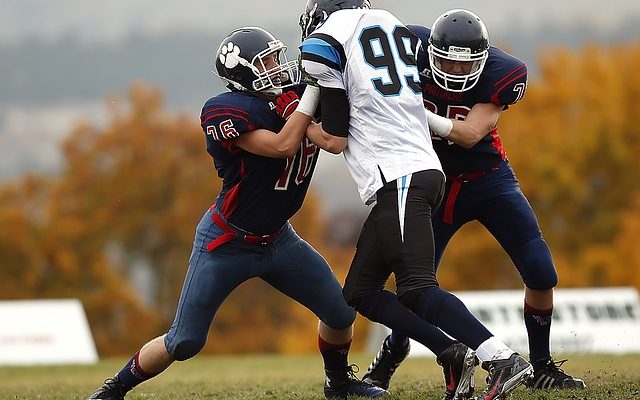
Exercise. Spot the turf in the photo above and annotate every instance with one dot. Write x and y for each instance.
(298, 377)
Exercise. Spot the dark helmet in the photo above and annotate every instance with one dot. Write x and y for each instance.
(458, 35)
(317, 11)
(240, 62)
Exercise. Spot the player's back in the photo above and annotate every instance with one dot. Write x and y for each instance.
(371, 55)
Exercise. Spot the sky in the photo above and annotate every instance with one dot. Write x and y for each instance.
(112, 23)
(113, 20)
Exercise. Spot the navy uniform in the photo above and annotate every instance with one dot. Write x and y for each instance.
(246, 233)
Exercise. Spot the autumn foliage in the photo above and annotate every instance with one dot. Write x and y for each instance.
(115, 227)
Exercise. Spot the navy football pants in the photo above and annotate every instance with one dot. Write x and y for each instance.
(289, 264)
(496, 201)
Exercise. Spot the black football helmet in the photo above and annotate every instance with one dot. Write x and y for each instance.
(458, 35)
(317, 11)
(240, 62)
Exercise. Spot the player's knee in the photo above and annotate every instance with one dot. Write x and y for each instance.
(370, 306)
(187, 348)
(411, 299)
(536, 266)
(340, 317)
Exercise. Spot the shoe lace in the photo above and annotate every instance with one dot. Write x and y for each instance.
(553, 369)
(115, 385)
(352, 370)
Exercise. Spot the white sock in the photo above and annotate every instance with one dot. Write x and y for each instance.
(493, 349)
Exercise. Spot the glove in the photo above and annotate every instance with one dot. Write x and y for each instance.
(287, 103)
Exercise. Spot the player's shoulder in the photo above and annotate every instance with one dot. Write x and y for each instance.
(422, 32)
(502, 66)
(230, 114)
(504, 77)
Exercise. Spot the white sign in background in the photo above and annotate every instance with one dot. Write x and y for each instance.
(598, 320)
(45, 332)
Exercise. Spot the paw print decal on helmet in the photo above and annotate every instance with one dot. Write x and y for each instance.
(230, 55)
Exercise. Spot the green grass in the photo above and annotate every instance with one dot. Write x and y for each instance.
(298, 377)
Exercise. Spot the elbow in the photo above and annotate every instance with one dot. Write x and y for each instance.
(335, 145)
(287, 151)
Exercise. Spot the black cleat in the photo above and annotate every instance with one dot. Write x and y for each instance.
(385, 364)
(111, 390)
(547, 374)
(505, 376)
(458, 363)
(340, 384)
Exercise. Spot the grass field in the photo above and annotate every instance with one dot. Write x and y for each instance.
(298, 377)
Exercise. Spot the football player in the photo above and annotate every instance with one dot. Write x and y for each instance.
(256, 136)
(364, 62)
(466, 85)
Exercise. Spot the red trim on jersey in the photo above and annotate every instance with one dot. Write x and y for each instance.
(230, 200)
(494, 98)
(508, 75)
(203, 123)
(224, 108)
(497, 143)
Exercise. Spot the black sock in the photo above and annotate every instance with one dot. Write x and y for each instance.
(132, 375)
(335, 356)
(538, 323)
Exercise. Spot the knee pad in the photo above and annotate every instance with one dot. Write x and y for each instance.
(340, 317)
(186, 348)
(535, 264)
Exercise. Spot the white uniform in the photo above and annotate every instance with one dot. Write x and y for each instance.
(371, 55)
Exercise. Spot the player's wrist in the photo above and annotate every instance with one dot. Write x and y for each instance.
(441, 126)
(309, 100)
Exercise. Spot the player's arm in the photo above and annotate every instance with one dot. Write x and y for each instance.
(323, 59)
(331, 134)
(286, 143)
(482, 118)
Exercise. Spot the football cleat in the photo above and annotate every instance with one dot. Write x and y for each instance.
(385, 364)
(111, 390)
(547, 374)
(458, 363)
(505, 376)
(339, 384)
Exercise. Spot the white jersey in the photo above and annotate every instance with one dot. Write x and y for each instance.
(371, 55)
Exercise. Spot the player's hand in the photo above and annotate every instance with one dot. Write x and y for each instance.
(287, 103)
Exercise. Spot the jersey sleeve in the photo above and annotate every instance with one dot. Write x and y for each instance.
(510, 81)
(224, 122)
(324, 58)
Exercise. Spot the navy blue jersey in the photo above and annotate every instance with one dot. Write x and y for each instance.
(502, 82)
(259, 194)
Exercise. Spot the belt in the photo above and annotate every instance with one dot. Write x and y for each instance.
(456, 185)
(230, 233)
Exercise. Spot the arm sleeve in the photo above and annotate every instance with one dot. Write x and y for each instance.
(222, 123)
(334, 104)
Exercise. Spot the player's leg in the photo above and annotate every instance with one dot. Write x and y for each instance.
(300, 272)
(508, 216)
(406, 228)
(209, 280)
(396, 346)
